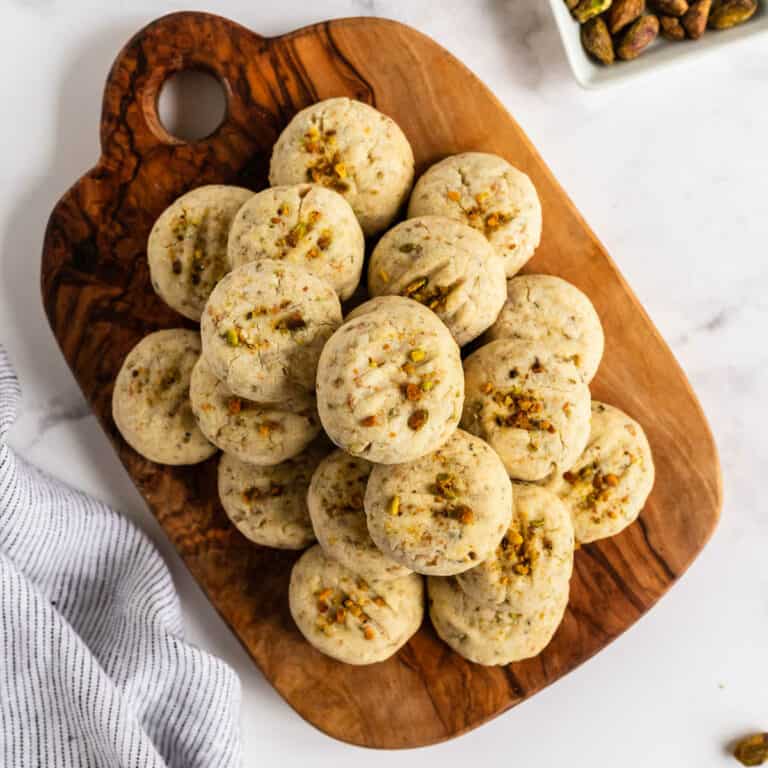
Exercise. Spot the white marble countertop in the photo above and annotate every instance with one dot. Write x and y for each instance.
(671, 171)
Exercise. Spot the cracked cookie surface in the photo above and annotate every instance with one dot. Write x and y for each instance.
(306, 225)
(443, 513)
(445, 265)
(268, 505)
(352, 148)
(335, 502)
(549, 310)
(264, 327)
(151, 403)
(534, 560)
(258, 433)
(187, 247)
(389, 385)
(609, 483)
(489, 194)
(529, 403)
(348, 617)
(492, 635)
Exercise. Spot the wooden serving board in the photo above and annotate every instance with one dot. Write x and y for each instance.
(99, 301)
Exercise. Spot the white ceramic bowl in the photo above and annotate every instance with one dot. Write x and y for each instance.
(590, 74)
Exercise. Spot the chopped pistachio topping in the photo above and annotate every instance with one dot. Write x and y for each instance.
(418, 419)
(594, 486)
(445, 485)
(232, 337)
(325, 239)
(432, 297)
(516, 548)
(254, 494)
(335, 607)
(412, 392)
(292, 322)
(327, 167)
(523, 410)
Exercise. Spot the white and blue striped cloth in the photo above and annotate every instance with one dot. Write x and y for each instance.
(94, 670)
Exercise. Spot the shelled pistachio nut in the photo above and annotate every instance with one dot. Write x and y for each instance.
(597, 41)
(671, 28)
(588, 9)
(623, 13)
(638, 37)
(671, 7)
(729, 13)
(696, 17)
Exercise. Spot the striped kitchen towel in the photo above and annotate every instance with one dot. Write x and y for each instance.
(94, 670)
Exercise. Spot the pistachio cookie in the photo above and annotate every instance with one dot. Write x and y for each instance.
(335, 502)
(492, 635)
(269, 504)
(353, 149)
(187, 247)
(263, 329)
(257, 433)
(349, 618)
(608, 485)
(529, 403)
(307, 225)
(443, 513)
(549, 310)
(489, 194)
(389, 383)
(444, 265)
(534, 560)
(150, 401)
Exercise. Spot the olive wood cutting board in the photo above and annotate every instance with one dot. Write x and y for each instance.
(99, 301)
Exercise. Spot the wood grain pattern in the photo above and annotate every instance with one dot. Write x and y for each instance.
(99, 301)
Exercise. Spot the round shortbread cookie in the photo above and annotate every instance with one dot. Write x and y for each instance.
(335, 502)
(306, 225)
(353, 149)
(443, 513)
(264, 327)
(351, 619)
(187, 247)
(529, 404)
(547, 310)
(492, 636)
(150, 401)
(268, 505)
(389, 383)
(534, 561)
(489, 194)
(258, 433)
(609, 483)
(445, 265)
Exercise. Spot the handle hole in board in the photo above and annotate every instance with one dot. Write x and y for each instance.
(192, 104)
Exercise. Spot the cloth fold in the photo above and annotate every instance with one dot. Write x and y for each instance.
(94, 670)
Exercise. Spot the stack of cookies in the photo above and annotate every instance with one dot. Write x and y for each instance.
(363, 435)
